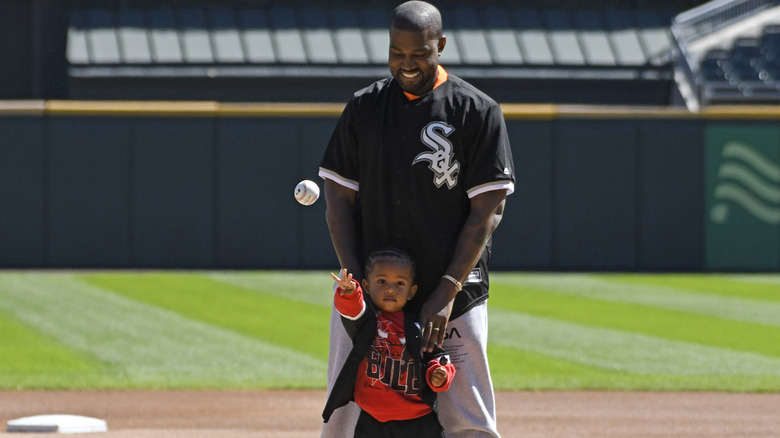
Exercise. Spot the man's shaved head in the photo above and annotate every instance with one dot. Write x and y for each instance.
(417, 16)
(416, 42)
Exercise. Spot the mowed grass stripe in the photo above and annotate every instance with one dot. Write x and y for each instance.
(150, 346)
(515, 369)
(635, 290)
(520, 369)
(616, 350)
(313, 287)
(652, 321)
(767, 279)
(30, 358)
(289, 324)
(762, 287)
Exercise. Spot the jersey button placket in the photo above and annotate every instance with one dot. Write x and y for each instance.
(401, 168)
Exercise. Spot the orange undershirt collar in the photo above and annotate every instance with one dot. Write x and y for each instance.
(441, 77)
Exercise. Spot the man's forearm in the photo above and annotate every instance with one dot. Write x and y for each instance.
(342, 235)
(340, 218)
(484, 218)
(486, 211)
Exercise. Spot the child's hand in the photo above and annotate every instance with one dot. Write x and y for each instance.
(346, 283)
(439, 376)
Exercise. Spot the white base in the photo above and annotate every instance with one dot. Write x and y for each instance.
(57, 423)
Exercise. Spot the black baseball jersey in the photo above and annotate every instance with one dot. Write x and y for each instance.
(415, 165)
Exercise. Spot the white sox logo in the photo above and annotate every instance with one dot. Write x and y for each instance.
(444, 167)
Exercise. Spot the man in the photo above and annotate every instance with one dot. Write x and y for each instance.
(421, 161)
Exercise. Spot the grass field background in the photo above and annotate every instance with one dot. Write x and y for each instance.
(199, 329)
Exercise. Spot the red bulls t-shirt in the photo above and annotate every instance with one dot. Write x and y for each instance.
(387, 384)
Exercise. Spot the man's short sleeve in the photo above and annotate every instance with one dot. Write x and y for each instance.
(340, 160)
(491, 166)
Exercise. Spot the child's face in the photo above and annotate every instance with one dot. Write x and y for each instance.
(390, 284)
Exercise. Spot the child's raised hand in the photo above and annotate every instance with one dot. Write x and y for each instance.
(346, 283)
(439, 376)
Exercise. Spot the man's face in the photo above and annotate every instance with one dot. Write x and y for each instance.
(414, 59)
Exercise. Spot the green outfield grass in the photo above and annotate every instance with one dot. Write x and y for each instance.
(85, 330)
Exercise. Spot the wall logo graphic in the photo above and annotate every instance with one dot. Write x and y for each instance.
(748, 180)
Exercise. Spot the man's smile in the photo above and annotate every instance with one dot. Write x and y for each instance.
(410, 75)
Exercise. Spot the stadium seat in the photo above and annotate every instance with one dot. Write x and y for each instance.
(317, 37)
(133, 38)
(452, 54)
(501, 37)
(77, 52)
(654, 34)
(256, 34)
(226, 37)
(532, 37)
(195, 36)
(377, 38)
(165, 44)
(770, 45)
(471, 36)
(101, 37)
(746, 51)
(563, 39)
(711, 66)
(594, 39)
(287, 36)
(624, 37)
(348, 37)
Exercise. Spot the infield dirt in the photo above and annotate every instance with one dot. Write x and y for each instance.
(296, 414)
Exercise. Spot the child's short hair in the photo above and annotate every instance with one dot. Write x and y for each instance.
(389, 253)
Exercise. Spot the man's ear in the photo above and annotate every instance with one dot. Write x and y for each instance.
(442, 43)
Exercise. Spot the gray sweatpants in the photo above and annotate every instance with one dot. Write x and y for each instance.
(466, 410)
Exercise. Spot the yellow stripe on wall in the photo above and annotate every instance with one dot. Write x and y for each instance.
(512, 111)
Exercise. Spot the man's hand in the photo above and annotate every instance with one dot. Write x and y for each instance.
(345, 282)
(435, 313)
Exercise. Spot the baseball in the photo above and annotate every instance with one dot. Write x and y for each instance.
(307, 192)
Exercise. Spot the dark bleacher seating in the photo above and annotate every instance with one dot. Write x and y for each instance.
(711, 67)
(769, 62)
(746, 72)
(289, 35)
(315, 51)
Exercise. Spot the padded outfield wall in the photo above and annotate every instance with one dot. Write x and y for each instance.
(208, 185)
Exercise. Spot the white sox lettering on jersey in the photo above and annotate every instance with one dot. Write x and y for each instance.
(444, 167)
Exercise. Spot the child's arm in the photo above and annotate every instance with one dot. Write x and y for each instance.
(348, 303)
(439, 373)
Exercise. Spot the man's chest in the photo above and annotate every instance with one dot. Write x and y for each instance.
(426, 143)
